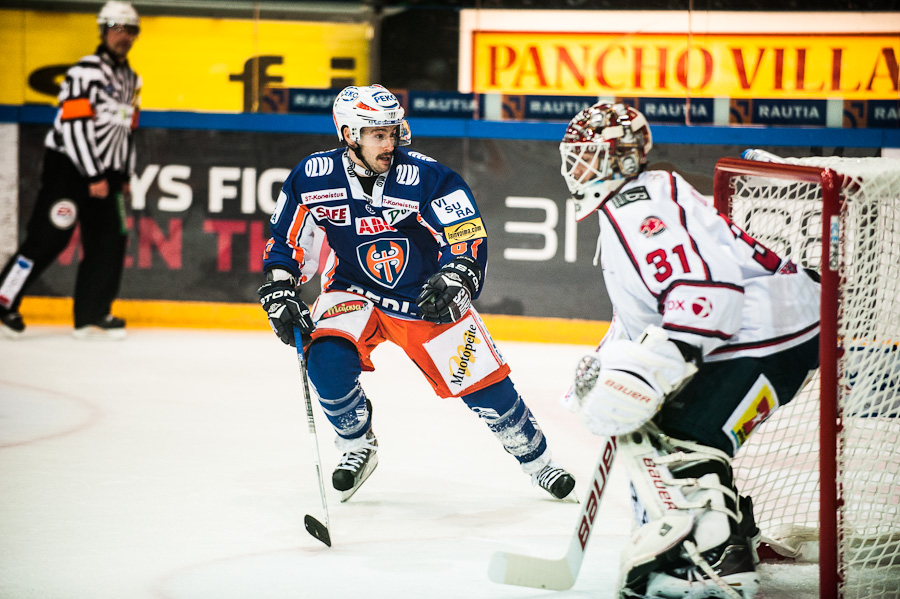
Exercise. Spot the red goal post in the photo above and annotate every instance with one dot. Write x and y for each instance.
(840, 217)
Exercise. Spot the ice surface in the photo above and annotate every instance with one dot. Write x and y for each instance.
(177, 465)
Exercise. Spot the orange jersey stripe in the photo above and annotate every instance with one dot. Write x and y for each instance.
(294, 233)
(328, 275)
(79, 108)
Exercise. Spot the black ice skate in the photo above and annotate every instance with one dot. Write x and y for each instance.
(356, 466)
(11, 323)
(731, 562)
(554, 479)
(108, 327)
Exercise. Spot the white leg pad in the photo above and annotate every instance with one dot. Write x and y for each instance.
(683, 518)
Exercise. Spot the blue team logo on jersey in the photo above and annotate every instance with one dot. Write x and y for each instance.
(384, 260)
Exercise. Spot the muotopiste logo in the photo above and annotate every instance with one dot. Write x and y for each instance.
(465, 355)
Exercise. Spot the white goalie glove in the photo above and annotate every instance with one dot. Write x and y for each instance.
(621, 387)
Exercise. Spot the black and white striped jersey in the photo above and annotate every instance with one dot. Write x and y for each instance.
(98, 111)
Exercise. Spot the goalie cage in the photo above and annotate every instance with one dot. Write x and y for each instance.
(824, 470)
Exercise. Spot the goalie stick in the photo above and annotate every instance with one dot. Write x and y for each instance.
(558, 574)
(313, 526)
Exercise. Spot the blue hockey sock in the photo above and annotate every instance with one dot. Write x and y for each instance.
(334, 369)
(506, 414)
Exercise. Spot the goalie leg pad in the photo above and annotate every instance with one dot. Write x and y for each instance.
(689, 543)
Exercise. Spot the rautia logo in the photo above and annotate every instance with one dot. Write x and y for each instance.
(384, 260)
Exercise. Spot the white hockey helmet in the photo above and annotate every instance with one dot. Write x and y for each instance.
(369, 106)
(604, 146)
(118, 13)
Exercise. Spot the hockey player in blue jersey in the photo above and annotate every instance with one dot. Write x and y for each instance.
(409, 253)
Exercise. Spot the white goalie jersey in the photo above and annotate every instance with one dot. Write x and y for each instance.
(670, 259)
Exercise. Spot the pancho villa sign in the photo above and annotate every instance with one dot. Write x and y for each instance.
(746, 55)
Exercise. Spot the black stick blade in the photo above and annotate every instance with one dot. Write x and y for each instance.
(317, 529)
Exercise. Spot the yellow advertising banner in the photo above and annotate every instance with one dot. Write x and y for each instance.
(735, 66)
(186, 63)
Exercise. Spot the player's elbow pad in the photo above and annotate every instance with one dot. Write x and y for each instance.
(703, 313)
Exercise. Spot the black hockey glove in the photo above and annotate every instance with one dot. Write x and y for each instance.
(447, 294)
(285, 309)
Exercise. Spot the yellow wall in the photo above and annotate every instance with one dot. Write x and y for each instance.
(186, 63)
(201, 315)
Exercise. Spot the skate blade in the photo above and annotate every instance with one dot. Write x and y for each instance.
(572, 497)
(367, 472)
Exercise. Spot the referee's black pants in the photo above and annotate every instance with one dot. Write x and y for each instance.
(62, 201)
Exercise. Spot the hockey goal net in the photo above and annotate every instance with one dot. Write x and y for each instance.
(824, 470)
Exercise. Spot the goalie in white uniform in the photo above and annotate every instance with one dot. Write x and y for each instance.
(711, 332)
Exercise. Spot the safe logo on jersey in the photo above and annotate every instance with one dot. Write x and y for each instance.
(338, 215)
(384, 260)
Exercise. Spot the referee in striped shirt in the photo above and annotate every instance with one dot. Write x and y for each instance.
(88, 162)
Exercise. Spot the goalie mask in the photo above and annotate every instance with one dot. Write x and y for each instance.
(604, 146)
(369, 106)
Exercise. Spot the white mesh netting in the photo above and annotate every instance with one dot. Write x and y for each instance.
(778, 467)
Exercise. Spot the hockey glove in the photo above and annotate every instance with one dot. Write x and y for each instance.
(447, 294)
(623, 386)
(282, 303)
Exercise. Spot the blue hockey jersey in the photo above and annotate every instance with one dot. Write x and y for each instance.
(420, 216)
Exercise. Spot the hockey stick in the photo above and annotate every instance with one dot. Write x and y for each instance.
(558, 574)
(313, 526)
